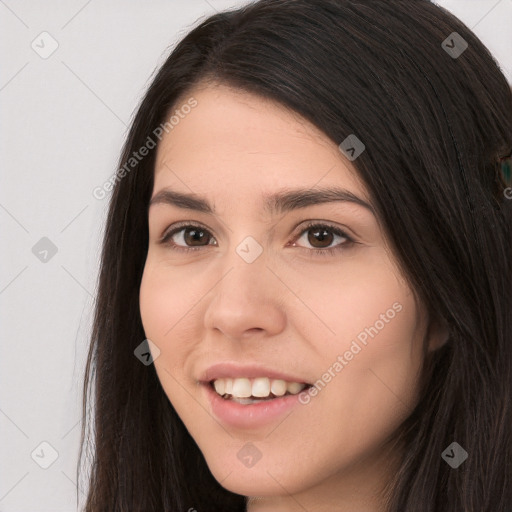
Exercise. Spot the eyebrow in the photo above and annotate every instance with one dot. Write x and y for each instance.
(274, 203)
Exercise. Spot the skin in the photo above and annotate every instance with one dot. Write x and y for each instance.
(289, 309)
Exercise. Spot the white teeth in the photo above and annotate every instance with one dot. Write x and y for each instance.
(242, 388)
(261, 387)
(220, 386)
(294, 387)
(278, 387)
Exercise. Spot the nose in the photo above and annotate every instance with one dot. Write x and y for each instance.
(247, 300)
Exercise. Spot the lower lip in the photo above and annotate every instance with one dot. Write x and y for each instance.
(251, 415)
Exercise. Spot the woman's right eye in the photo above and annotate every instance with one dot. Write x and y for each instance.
(188, 234)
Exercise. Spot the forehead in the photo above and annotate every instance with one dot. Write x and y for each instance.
(233, 140)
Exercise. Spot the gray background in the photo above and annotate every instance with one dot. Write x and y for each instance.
(64, 119)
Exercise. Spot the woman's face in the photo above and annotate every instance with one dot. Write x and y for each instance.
(261, 297)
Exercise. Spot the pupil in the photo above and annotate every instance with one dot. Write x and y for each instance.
(194, 233)
(320, 235)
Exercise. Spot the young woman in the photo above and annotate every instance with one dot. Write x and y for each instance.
(305, 290)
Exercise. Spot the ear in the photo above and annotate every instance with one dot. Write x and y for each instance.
(438, 333)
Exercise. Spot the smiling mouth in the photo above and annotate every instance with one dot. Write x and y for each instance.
(250, 391)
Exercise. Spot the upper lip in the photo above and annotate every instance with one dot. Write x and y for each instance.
(234, 370)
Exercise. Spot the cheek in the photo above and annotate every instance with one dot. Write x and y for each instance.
(166, 299)
(165, 308)
(379, 337)
(154, 305)
(374, 350)
(366, 299)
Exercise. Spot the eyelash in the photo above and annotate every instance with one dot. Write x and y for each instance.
(165, 240)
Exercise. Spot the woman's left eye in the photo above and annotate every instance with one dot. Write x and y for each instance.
(324, 233)
(314, 233)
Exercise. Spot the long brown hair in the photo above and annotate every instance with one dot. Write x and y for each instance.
(435, 125)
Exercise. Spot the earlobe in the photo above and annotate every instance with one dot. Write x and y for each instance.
(438, 334)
